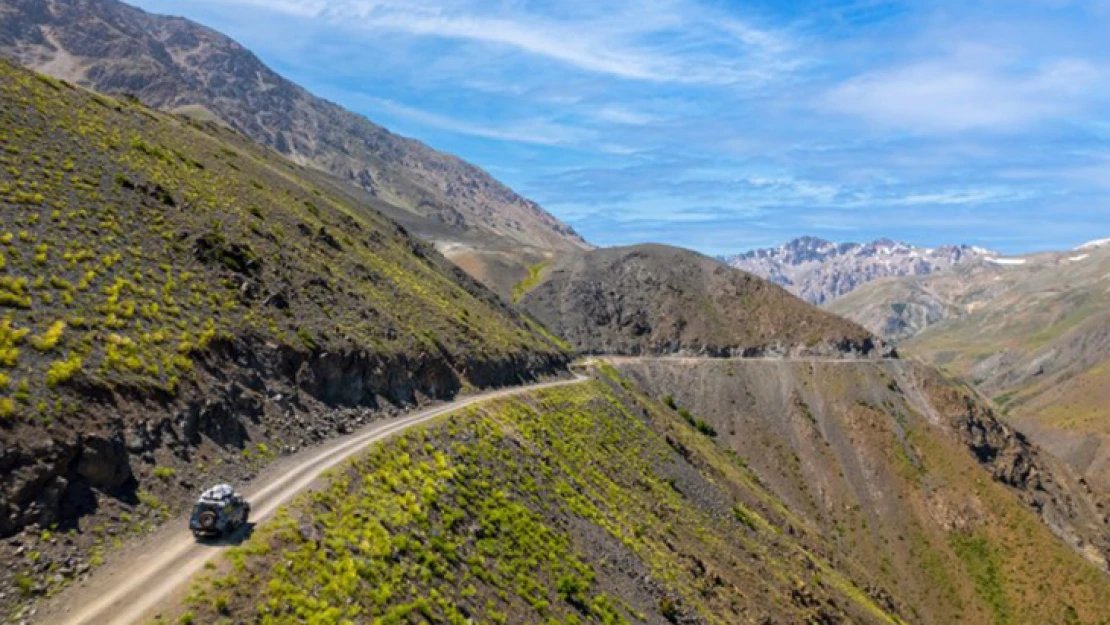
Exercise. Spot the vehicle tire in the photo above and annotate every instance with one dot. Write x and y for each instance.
(207, 521)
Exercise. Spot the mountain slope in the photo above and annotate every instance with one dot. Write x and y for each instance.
(654, 299)
(597, 504)
(179, 305)
(1031, 332)
(820, 271)
(177, 65)
(910, 476)
(1037, 339)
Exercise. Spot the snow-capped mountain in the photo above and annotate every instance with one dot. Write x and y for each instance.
(819, 271)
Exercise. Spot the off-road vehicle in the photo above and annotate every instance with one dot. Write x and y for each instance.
(218, 512)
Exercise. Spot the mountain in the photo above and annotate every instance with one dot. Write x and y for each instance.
(177, 65)
(1031, 332)
(820, 271)
(654, 299)
(183, 306)
(906, 473)
(671, 492)
(179, 305)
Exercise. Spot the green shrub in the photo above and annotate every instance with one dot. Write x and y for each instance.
(24, 583)
(49, 339)
(701, 426)
(62, 370)
(705, 428)
(744, 517)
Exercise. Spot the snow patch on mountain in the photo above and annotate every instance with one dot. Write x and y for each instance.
(1006, 261)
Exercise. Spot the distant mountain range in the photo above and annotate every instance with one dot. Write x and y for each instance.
(820, 271)
(1033, 332)
(180, 66)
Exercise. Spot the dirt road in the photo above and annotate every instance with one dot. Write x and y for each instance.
(129, 589)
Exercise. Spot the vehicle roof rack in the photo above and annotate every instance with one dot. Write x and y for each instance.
(219, 493)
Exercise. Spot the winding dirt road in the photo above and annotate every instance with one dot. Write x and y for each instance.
(133, 586)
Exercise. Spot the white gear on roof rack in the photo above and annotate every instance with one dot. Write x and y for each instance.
(219, 493)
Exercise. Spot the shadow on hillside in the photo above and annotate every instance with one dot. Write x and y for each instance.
(237, 537)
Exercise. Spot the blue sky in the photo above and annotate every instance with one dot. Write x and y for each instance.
(723, 126)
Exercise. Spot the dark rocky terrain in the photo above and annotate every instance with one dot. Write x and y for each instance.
(820, 271)
(179, 305)
(177, 65)
(654, 299)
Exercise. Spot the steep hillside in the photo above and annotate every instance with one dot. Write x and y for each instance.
(177, 65)
(653, 299)
(597, 504)
(178, 304)
(901, 308)
(1033, 333)
(820, 271)
(587, 504)
(894, 465)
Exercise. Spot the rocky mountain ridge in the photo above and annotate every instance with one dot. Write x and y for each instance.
(177, 65)
(659, 300)
(820, 271)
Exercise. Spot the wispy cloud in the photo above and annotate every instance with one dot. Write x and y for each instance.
(955, 94)
(621, 115)
(660, 41)
(725, 124)
(537, 131)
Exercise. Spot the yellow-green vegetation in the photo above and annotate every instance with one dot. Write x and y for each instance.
(1006, 559)
(50, 338)
(513, 512)
(131, 240)
(535, 273)
(978, 557)
(507, 513)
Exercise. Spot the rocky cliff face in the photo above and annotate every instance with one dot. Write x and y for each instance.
(177, 65)
(820, 271)
(653, 299)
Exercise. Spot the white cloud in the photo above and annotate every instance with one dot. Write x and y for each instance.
(625, 39)
(537, 131)
(957, 94)
(621, 115)
(618, 149)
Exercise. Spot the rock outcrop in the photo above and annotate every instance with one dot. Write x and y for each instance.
(654, 299)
